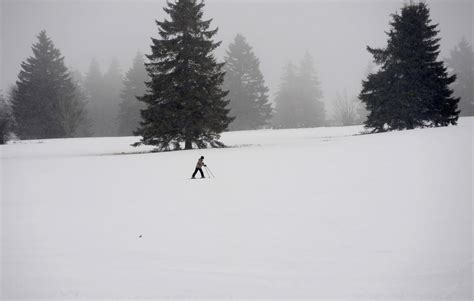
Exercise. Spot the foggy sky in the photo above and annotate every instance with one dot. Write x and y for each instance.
(335, 33)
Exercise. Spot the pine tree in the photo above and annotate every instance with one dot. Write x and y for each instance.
(298, 101)
(411, 89)
(103, 92)
(361, 108)
(310, 111)
(285, 106)
(6, 120)
(185, 101)
(84, 128)
(134, 86)
(45, 102)
(112, 87)
(248, 94)
(93, 88)
(462, 63)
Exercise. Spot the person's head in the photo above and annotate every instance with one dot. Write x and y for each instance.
(202, 157)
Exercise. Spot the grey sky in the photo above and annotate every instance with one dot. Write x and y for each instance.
(336, 33)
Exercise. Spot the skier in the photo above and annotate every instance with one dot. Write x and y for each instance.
(199, 165)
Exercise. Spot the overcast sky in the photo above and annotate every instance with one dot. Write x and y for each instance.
(335, 33)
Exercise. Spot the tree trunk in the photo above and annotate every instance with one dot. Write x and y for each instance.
(188, 144)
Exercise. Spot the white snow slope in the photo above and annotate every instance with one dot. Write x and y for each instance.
(308, 213)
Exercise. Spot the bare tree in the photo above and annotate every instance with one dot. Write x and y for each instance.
(345, 110)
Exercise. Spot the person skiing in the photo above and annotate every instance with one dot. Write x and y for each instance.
(199, 165)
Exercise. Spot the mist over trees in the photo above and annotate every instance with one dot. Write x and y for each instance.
(93, 89)
(248, 94)
(103, 96)
(45, 102)
(285, 107)
(133, 87)
(112, 83)
(185, 101)
(84, 127)
(461, 62)
(298, 102)
(411, 89)
(186, 96)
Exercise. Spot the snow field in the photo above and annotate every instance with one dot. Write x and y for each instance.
(304, 213)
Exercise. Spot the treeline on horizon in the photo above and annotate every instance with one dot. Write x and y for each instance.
(407, 87)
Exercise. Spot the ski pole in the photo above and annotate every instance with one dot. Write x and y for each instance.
(209, 171)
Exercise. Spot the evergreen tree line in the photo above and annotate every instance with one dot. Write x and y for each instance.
(111, 96)
(49, 101)
(182, 96)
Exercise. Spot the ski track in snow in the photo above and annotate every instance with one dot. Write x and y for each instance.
(319, 213)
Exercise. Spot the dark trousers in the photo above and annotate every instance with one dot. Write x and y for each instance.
(200, 170)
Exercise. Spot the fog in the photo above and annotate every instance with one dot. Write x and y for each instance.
(335, 33)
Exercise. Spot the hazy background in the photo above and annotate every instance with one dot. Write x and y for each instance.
(335, 33)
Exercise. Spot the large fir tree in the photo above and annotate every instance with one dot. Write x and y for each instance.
(133, 86)
(185, 101)
(45, 101)
(462, 64)
(247, 91)
(411, 89)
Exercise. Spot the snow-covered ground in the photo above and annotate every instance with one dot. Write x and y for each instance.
(308, 213)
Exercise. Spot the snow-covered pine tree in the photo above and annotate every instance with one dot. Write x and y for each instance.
(45, 102)
(285, 105)
(248, 94)
(462, 64)
(185, 101)
(133, 87)
(411, 89)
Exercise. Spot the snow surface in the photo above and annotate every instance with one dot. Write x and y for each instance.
(305, 213)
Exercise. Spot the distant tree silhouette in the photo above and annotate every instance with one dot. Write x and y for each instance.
(285, 105)
(103, 93)
(462, 64)
(248, 94)
(298, 100)
(133, 86)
